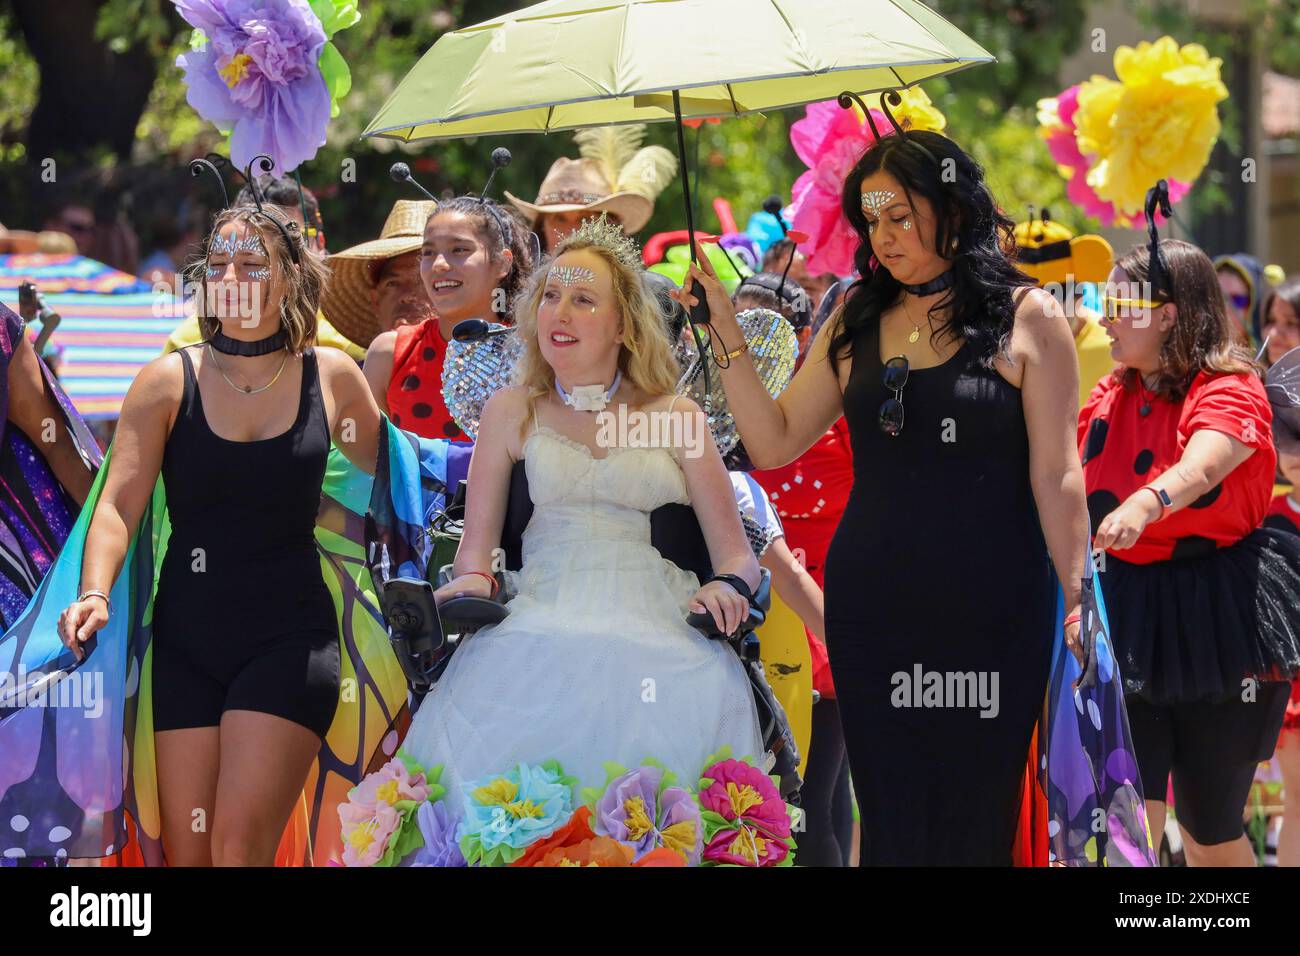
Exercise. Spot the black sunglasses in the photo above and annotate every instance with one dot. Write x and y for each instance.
(891, 411)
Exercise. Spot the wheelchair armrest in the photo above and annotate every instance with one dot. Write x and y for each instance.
(758, 608)
(463, 614)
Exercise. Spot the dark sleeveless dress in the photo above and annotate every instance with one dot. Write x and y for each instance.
(938, 566)
(242, 617)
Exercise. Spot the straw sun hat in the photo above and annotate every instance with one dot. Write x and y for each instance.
(348, 303)
(615, 175)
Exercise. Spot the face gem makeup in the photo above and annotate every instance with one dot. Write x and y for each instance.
(877, 200)
(573, 275)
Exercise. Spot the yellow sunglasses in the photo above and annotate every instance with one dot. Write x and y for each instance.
(1111, 305)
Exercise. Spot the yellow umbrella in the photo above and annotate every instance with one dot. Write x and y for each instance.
(567, 64)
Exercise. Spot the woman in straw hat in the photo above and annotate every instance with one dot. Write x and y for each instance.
(474, 257)
(616, 176)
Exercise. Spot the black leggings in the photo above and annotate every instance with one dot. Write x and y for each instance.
(825, 798)
(1213, 749)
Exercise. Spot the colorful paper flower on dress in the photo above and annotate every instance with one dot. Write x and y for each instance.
(441, 835)
(1112, 139)
(746, 821)
(378, 827)
(265, 73)
(505, 814)
(641, 808)
(572, 833)
(367, 832)
(830, 140)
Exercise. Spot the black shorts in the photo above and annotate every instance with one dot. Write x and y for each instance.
(1212, 748)
(294, 677)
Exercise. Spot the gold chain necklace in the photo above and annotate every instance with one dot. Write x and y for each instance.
(248, 389)
(916, 329)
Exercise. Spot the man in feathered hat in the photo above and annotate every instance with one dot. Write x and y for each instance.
(615, 175)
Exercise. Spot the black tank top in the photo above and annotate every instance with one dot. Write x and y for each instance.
(242, 550)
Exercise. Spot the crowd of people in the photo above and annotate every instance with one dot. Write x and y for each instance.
(955, 445)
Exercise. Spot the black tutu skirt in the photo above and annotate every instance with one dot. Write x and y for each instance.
(1194, 628)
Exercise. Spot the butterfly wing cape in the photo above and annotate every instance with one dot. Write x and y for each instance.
(1085, 805)
(77, 767)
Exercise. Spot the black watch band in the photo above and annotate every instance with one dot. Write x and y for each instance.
(737, 582)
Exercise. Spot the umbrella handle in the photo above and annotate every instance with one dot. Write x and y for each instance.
(700, 311)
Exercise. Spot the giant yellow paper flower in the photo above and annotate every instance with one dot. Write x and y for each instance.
(917, 112)
(1159, 121)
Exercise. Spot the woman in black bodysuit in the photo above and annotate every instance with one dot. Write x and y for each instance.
(245, 651)
(959, 385)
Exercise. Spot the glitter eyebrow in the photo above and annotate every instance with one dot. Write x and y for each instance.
(252, 242)
(877, 200)
(572, 275)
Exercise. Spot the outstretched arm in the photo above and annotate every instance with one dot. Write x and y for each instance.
(355, 427)
(133, 471)
(775, 431)
(34, 410)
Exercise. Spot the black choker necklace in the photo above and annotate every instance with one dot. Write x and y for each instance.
(227, 346)
(931, 287)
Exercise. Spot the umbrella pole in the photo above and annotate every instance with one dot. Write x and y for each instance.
(700, 311)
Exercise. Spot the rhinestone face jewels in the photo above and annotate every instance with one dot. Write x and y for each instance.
(877, 200)
(573, 275)
(227, 244)
(907, 224)
(260, 275)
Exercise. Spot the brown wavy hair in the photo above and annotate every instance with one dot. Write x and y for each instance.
(1201, 339)
(303, 283)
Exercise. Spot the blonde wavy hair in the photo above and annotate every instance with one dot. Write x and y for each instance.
(301, 284)
(646, 357)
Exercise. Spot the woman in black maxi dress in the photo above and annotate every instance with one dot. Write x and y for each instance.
(967, 517)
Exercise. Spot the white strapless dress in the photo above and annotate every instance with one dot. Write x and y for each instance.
(596, 661)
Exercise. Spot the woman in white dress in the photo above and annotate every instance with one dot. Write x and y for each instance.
(595, 662)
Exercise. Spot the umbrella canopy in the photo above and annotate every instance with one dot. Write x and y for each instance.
(566, 64)
(106, 336)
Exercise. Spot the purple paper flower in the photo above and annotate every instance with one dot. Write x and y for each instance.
(440, 838)
(633, 811)
(257, 76)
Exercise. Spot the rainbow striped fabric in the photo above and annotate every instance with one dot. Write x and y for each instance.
(113, 324)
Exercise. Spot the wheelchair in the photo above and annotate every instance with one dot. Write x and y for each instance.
(424, 639)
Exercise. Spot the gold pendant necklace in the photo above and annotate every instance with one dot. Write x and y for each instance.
(248, 389)
(916, 329)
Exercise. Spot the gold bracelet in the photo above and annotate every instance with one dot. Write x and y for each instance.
(735, 353)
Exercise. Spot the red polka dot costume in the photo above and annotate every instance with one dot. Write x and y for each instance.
(415, 389)
(1123, 449)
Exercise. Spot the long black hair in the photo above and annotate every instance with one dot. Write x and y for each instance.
(971, 232)
(499, 229)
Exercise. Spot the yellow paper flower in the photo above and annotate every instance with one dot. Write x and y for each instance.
(917, 112)
(1158, 121)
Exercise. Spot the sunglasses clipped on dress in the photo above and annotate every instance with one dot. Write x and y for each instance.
(891, 410)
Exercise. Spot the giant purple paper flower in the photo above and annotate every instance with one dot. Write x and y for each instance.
(257, 77)
(633, 811)
(439, 830)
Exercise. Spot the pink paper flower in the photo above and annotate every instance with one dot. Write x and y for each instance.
(747, 818)
(367, 831)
